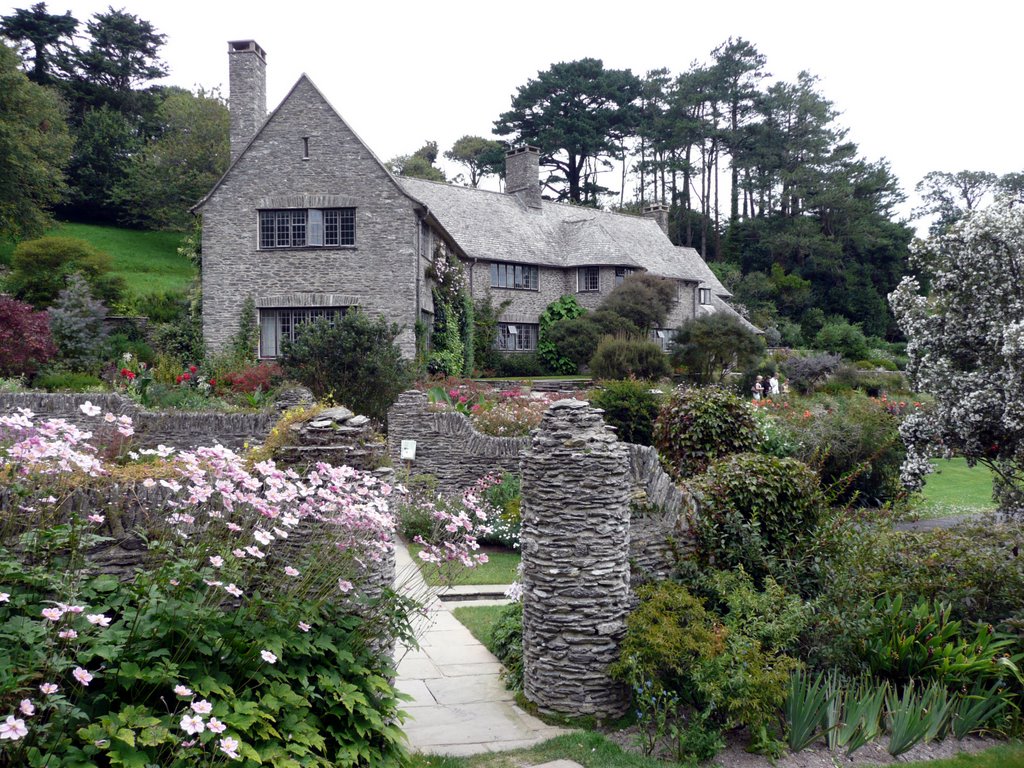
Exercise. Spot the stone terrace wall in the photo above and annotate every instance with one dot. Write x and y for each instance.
(660, 518)
(181, 429)
(575, 544)
(447, 446)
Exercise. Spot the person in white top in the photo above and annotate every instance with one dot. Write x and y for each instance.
(773, 385)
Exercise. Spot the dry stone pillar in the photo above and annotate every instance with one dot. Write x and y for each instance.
(575, 547)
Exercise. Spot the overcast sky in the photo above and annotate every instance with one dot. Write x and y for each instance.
(927, 85)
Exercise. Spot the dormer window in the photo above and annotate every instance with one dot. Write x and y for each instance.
(704, 295)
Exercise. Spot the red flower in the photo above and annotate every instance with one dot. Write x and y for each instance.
(125, 372)
(192, 369)
(130, 375)
(177, 379)
(212, 382)
(186, 376)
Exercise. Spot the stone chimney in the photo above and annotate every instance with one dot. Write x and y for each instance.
(659, 213)
(247, 64)
(522, 175)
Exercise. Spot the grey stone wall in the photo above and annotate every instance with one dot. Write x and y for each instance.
(576, 597)
(447, 446)
(382, 271)
(660, 514)
(181, 429)
(247, 80)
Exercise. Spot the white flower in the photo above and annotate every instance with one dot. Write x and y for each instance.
(181, 690)
(98, 519)
(202, 707)
(216, 561)
(48, 689)
(304, 626)
(268, 657)
(192, 724)
(231, 589)
(216, 726)
(289, 571)
(82, 675)
(13, 729)
(27, 708)
(229, 747)
(89, 409)
(98, 619)
(5, 597)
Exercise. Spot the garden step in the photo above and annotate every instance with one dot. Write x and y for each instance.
(467, 592)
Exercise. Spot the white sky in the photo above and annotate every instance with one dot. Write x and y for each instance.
(927, 85)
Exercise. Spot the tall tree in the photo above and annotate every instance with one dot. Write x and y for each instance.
(177, 167)
(481, 157)
(573, 112)
(105, 143)
(34, 148)
(48, 36)
(418, 165)
(948, 196)
(123, 52)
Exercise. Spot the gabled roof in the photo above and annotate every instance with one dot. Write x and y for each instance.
(492, 226)
(718, 305)
(303, 79)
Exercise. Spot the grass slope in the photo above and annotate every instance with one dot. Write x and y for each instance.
(501, 568)
(148, 261)
(956, 489)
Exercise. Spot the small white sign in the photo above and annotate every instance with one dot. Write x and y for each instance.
(408, 450)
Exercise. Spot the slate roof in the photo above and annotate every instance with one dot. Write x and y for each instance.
(718, 305)
(493, 226)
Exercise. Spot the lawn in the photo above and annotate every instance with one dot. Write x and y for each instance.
(480, 620)
(502, 567)
(148, 261)
(956, 489)
(592, 750)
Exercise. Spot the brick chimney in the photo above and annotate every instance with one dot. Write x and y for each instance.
(522, 175)
(659, 213)
(247, 65)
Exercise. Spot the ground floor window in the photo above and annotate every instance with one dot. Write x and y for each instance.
(517, 337)
(662, 337)
(282, 323)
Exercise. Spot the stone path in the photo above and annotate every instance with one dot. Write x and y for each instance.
(459, 703)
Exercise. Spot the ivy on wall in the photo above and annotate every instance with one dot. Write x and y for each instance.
(451, 342)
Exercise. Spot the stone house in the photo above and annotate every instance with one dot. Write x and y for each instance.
(308, 222)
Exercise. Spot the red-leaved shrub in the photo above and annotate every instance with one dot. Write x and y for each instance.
(24, 338)
(259, 377)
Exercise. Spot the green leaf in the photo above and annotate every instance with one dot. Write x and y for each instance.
(127, 735)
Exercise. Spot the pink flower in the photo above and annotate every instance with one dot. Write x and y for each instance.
(192, 724)
(98, 619)
(53, 614)
(5, 597)
(109, 418)
(67, 634)
(98, 519)
(216, 561)
(216, 726)
(82, 675)
(202, 707)
(181, 690)
(48, 688)
(229, 747)
(232, 590)
(13, 729)
(344, 585)
(289, 571)
(27, 708)
(268, 657)
(304, 626)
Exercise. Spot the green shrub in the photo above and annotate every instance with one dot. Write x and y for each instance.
(643, 299)
(40, 270)
(63, 381)
(165, 307)
(355, 361)
(507, 639)
(697, 426)
(624, 358)
(842, 338)
(564, 308)
(518, 364)
(574, 339)
(711, 345)
(757, 512)
(121, 343)
(804, 373)
(630, 407)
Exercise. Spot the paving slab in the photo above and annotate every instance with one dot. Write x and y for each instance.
(459, 705)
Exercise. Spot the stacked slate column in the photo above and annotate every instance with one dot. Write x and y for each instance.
(575, 546)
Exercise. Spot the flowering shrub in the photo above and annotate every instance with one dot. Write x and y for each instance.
(24, 338)
(134, 377)
(252, 634)
(499, 413)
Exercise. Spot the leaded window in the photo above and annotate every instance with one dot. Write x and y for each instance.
(281, 324)
(621, 273)
(313, 227)
(588, 279)
(517, 337)
(522, 277)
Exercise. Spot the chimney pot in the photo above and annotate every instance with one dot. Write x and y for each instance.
(659, 213)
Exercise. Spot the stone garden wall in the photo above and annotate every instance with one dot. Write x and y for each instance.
(180, 429)
(575, 567)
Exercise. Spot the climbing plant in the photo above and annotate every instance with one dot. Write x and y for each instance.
(451, 343)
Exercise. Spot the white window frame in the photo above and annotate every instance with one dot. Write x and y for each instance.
(517, 337)
(704, 296)
(279, 323)
(306, 228)
(582, 279)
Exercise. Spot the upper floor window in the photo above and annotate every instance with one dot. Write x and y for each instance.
(521, 276)
(307, 227)
(588, 279)
(621, 273)
(704, 295)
